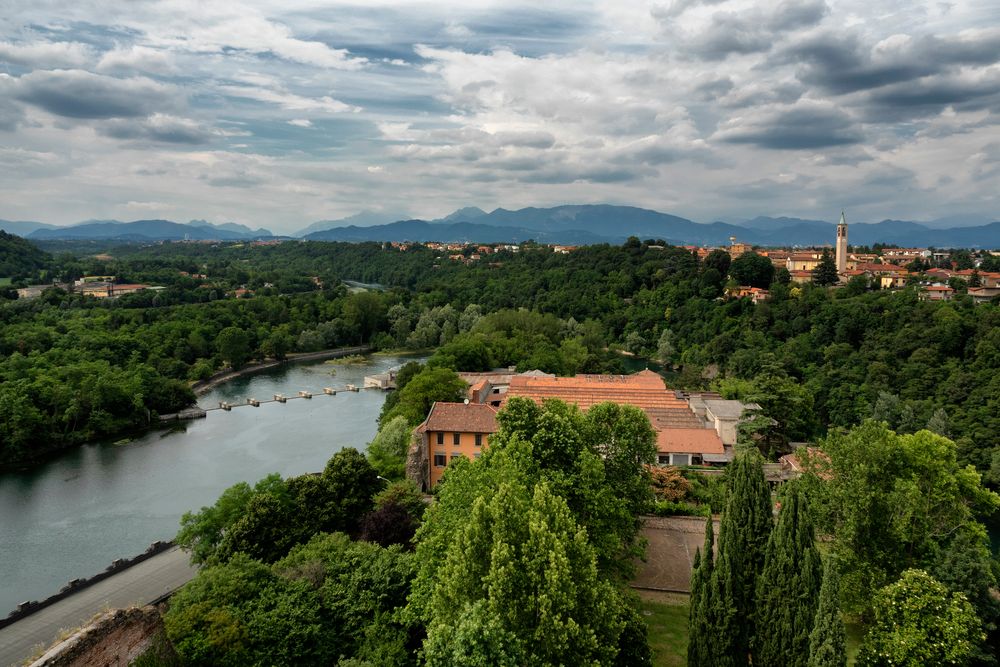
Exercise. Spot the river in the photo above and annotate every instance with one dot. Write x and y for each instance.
(73, 515)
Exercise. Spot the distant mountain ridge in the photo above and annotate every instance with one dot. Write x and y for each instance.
(569, 224)
(22, 227)
(150, 230)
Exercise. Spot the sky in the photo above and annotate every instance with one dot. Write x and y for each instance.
(279, 113)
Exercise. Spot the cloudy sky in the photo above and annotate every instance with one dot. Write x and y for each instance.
(283, 112)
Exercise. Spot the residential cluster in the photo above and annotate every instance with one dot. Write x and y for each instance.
(691, 428)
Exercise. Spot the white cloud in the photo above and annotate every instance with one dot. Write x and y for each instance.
(46, 54)
(300, 122)
(136, 58)
(289, 101)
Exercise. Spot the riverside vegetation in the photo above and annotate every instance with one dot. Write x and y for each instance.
(899, 394)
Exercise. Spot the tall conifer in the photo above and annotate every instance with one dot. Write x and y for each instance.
(828, 641)
(743, 534)
(700, 634)
(788, 587)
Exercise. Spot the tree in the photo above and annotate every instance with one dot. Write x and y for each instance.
(201, 532)
(828, 640)
(752, 269)
(916, 622)
(261, 532)
(718, 259)
(825, 272)
(788, 587)
(365, 312)
(890, 502)
(353, 482)
(743, 535)
(665, 349)
(387, 452)
(387, 525)
(522, 574)
(233, 344)
(421, 392)
(701, 636)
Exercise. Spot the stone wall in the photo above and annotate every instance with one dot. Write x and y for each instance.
(671, 545)
(114, 638)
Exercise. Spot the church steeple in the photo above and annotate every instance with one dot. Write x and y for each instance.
(842, 244)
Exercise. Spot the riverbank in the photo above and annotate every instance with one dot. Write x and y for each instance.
(205, 386)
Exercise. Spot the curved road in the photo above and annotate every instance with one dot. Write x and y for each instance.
(138, 585)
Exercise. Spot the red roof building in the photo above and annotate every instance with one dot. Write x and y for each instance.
(453, 430)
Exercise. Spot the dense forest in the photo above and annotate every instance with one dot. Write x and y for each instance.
(813, 357)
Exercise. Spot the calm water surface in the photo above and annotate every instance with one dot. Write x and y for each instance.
(72, 516)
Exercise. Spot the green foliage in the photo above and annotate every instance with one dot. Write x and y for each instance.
(387, 452)
(522, 576)
(744, 532)
(422, 391)
(916, 622)
(828, 640)
(325, 600)
(891, 502)
(701, 635)
(788, 588)
(825, 273)
(752, 270)
(201, 532)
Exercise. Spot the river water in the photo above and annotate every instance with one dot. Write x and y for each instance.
(72, 516)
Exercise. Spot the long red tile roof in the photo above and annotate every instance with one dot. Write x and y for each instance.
(678, 428)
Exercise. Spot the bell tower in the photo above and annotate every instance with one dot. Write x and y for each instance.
(842, 244)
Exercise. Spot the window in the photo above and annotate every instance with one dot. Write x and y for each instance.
(440, 460)
(440, 438)
(456, 438)
(477, 455)
(457, 455)
(479, 440)
(680, 459)
(663, 459)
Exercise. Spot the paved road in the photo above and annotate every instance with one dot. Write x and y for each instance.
(139, 584)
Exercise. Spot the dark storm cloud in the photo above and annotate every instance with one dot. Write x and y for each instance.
(79, 94)
(158, 128)
(711, 90)
(840, 63)
(794, 15)
(754, 30)
(796, 129)
(930, 97)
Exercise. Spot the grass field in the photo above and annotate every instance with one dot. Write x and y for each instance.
(666, 617)
(4, 282)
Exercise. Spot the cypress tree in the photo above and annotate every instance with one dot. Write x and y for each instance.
(788, 587)
(825, 272)
(828, 641)
(699, 652)
(745, 527)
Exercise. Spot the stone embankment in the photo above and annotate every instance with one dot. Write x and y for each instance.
(77, 585)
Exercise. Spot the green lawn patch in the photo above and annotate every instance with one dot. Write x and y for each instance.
(4, 282)
(668, 629)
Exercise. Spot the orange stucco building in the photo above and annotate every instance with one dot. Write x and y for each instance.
(452, 430)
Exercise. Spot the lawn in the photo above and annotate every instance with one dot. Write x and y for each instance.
(4, 282)
(666, 616)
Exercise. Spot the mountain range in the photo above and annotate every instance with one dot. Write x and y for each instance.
(570, 224)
